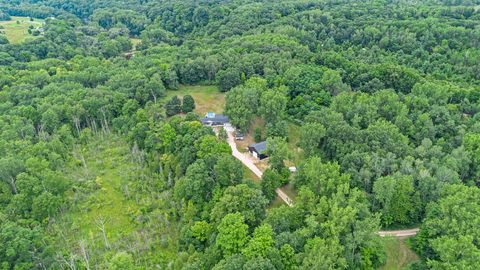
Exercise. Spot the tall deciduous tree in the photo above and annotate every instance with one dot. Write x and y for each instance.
(248, 201)
(396, 198)
(232, 234)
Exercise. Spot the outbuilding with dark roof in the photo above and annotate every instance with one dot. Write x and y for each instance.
(258, 150)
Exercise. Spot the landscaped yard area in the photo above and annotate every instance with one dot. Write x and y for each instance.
(16, 30)
(207, 97)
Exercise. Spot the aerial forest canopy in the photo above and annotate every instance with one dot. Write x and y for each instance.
(104, 163)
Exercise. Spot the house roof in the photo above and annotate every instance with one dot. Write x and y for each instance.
(215, 118)
(259, 147)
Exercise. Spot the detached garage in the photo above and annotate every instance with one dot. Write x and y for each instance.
(258, 150)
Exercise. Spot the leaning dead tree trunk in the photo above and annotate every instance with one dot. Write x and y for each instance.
(101, 221)
(70, 262)
(76, 121)
(105, 126)
(84, 254)
(13, 184)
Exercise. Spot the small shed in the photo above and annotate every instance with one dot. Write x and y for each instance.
(212, 119)
(258, 150)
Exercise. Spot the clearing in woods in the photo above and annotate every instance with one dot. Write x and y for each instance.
(399, 255)
(16, 30)
(105, 198)
(207, 97)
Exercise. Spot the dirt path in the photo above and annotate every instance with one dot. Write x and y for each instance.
(247, 161)
(399, 233)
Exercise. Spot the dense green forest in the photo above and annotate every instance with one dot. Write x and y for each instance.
(103, 166)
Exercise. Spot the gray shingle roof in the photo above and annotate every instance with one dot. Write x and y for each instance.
(217, 118)
(260, 147)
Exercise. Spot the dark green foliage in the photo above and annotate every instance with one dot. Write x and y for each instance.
(228, 79)
(386, 95)
(257, 134)
(188, 104)
(271, 180)
(173, 106)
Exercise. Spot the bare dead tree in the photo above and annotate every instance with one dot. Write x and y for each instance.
(76, 121)
(13, 184)
(105, 127)
(84, 254)
(101, 222)
(70, 262)
(154, 96)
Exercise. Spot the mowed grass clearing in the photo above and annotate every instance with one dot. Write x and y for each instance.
(207, 97)
(399, 255)
(16, 30)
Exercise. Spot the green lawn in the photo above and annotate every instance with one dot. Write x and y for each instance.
(18, 32)
(399, 255)
(207, 97)
(248, 174)
(293, 139)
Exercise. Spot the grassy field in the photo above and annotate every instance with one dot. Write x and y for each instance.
(293, 139)
(103, 195)
(399, 255)
(207, 97)
(16, 30)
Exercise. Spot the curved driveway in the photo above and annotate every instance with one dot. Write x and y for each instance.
(247, 161)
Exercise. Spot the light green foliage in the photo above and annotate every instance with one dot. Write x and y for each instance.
(98, 165)
(211, 146)
(278, 152)
(395, 196)
(232, 233)
(288, 257)
(323, 254)
(449, 234)
(242, 103)
(201, 230)
(228, 171)
(271, 180)
(311, 136)
(247, 201)
(322, 178)
(121, 261)
(272, 104)
(332, 82)
(260, 243)
(472, 145)
(197, 184)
